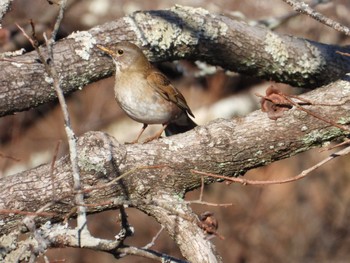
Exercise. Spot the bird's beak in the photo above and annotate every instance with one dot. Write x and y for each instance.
(106, 50)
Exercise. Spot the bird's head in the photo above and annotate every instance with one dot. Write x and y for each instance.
(126, 56)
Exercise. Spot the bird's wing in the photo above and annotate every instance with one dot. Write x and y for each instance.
(163, 86)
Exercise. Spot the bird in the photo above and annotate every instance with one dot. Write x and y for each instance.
(145, 94)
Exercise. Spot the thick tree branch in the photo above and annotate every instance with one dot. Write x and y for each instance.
(181, 32)
(140, 175)
(182, 226)
(154, 177)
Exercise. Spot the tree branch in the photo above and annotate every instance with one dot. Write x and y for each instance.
(117, 174)
(182, 32)
(154, 177)
(181, 224)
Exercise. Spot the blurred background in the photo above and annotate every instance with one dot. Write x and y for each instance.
(304, 221)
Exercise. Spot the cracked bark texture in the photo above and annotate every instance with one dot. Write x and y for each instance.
(227, 147)
(180, 32)
(159, 173)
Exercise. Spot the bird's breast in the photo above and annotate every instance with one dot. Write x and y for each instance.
(142, 103)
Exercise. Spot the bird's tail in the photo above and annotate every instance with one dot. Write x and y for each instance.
(180, 126)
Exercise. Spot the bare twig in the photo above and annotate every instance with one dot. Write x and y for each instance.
(50, 69)
(129, 250)
(202, 189)
(342, 127)
(34, 45)
(46, 259)
(151, 244)
(40, 211)
(270, 182)
(52, 72)
(343, 53)
(346, 142)
(274, 22)
(304, 101)
(200, 200)
(304, 8)
(9, 157)
(281, 102)
(63, 5)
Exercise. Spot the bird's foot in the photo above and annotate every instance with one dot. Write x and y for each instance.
(152, 138)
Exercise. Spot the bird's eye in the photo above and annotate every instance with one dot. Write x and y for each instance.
(120, 52)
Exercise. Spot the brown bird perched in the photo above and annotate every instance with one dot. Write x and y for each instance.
(145, 94)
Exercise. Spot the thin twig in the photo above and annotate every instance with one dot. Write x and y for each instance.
(106, 203)
(151, 244)
(304, 8)
(343, 53)
(63, 5)
(199, 202)
(200, 199)
(270, 182)
(274, 22)
(311, 113)
(202, 189)
(287, 102)
(46, 259)
(34, 45)
(129, 250)
(346, 142)
(51, 70)
(308, 102)
(9, 157)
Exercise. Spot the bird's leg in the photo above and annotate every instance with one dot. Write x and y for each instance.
(139, 135)
(157, 135)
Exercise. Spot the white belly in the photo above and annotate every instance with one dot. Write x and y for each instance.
(145, 109)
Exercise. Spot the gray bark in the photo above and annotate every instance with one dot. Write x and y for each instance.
(180, 32)
(163, 168)
(157, 175)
